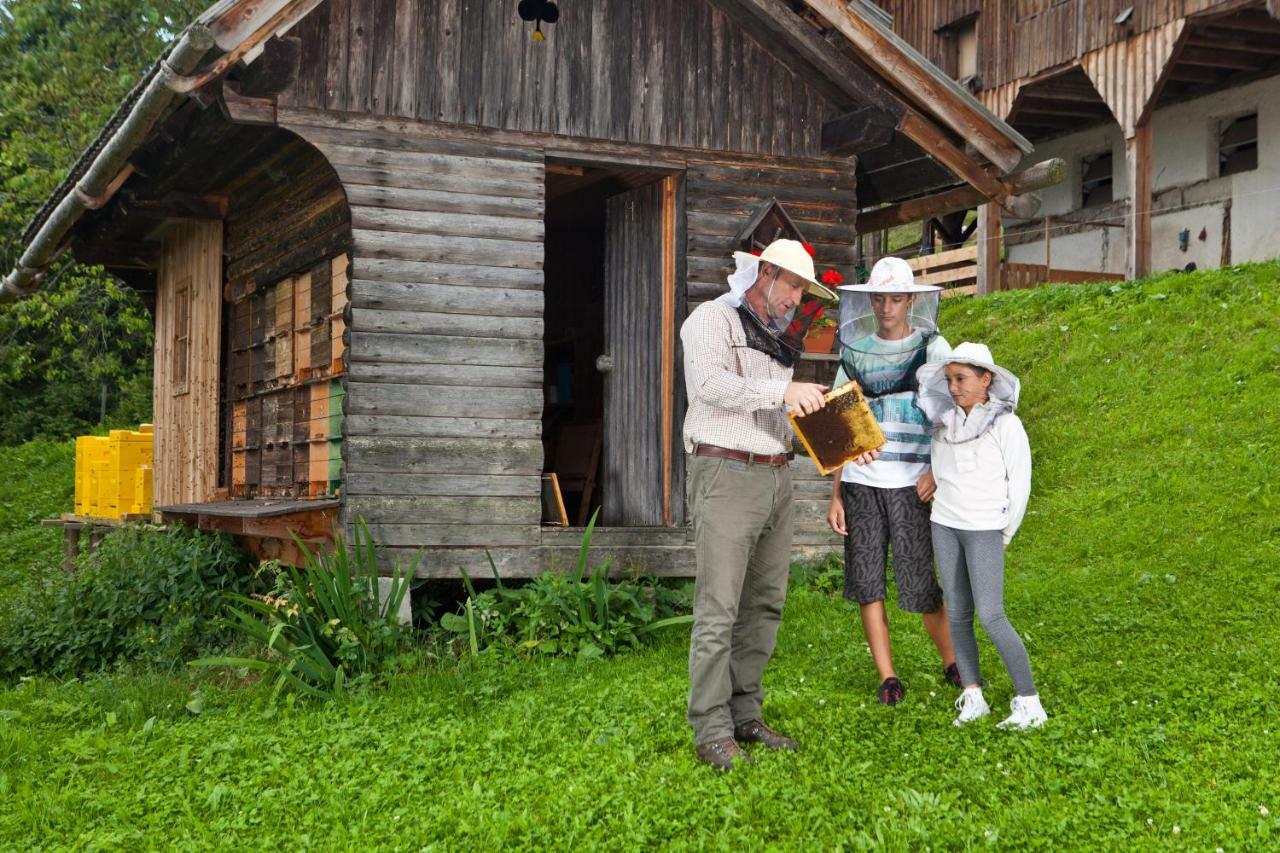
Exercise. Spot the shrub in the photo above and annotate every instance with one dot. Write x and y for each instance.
(824, 575)
(571, 615)
(323, 627)
(143, 595)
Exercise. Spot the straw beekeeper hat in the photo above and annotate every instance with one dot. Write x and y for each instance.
(891, 275)
(933, 380)
(791, 256)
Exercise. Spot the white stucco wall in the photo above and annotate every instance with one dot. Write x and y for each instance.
(1184, 152)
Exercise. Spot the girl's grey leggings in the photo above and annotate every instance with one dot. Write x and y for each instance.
(971, 568)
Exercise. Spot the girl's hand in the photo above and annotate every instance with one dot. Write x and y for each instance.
(835, 518)
(867, 458)
(926, 486)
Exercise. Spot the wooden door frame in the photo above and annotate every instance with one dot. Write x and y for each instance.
(674, 231)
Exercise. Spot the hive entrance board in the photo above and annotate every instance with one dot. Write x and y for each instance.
(840, 431)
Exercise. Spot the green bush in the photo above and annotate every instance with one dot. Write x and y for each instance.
(825, 575)
(323, 627)
(571, 615)
(143, 595)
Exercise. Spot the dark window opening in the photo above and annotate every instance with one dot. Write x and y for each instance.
(1238, 145)
(1095, 180)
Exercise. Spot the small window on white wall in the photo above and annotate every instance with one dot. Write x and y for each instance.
(1238, 145)
(1095, 180)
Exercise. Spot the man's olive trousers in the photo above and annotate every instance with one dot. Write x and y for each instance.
(742, 519)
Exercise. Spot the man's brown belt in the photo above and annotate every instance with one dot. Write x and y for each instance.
(777, 460)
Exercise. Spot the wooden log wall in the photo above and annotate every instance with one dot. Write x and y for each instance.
(664, 72)
(1020, 38)
(820, 196)
(444, 384)
(288, 235)
(185, 382)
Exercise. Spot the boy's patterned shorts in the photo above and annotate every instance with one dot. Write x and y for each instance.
(875, 518)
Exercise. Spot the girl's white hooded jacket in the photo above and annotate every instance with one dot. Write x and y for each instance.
(982, 465)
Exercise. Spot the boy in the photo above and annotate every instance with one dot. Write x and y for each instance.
(888, 329)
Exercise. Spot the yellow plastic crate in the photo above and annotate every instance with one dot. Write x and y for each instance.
(114, 474)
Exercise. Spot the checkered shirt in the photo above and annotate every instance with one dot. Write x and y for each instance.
(735, 392)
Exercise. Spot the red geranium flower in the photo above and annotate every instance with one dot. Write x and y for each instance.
(755, 252)
(808, 248)
(832, 277)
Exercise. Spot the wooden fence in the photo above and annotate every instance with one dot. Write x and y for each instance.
(1026, 276)
(956, 272)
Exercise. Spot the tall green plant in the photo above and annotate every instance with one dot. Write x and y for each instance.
(324, 626)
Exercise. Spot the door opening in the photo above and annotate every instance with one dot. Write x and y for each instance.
(609, 335)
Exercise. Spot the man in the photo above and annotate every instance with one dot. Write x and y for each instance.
(888, 329)
(739, 352)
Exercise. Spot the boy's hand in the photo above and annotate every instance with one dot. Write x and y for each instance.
(926, 486)
(867, 458)
(835, 518)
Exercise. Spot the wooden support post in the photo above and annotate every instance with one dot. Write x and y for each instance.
(70, 546)
(989, 239)
(1137, 157)
(1048, 252)
(669, 187)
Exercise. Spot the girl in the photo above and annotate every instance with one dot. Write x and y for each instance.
(982, 466)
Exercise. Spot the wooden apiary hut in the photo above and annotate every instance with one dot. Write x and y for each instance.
(407, 260)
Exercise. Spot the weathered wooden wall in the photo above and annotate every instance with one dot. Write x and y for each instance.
(1019, 38)
(444, 395)
(185, 382)
(664, 72)
(819, 195)
(444, 400)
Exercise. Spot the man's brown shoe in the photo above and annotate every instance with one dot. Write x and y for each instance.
(757, 732)
(721, 754)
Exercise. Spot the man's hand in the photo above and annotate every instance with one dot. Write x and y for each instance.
(867, 458)
(926, 486)
(835, 517)
(804, 398)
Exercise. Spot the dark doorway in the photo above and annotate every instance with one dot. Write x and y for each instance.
(609, 331)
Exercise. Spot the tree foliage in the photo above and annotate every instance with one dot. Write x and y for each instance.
(64, 67)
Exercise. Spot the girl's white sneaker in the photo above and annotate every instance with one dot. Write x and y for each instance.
(1027, 713)
(971, 706)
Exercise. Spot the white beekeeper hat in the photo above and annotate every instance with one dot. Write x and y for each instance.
(791, 256)
(933, 379)
(891, 275)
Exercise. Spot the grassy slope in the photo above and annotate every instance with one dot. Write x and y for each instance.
(1144, 583)
(37, 482)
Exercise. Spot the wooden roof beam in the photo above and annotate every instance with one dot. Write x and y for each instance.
(1037, 177)
(928, 137)
(1212, 41)
(1216, 59)
(858, 131)
(1024, 109)
(895, 60)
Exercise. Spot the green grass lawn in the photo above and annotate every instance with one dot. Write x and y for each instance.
(1144, 582)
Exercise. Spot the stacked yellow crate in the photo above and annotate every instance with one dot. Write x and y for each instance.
(114, 474)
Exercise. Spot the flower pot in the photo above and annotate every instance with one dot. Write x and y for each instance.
(820, 340)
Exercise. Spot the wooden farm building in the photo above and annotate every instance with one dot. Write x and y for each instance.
(1166, 113)
(405, 259)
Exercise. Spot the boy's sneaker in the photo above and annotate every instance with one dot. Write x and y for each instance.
(890, 691)
(1027, 714)
(971, 706)
(951, 672)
